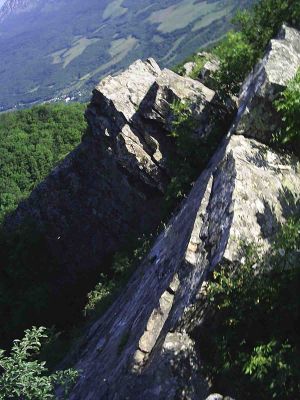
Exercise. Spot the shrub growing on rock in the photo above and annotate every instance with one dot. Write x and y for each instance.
(22, 376)
(289, 107)
(253, 342)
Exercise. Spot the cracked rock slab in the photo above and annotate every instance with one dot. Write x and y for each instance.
(257, 117)
(245, 193)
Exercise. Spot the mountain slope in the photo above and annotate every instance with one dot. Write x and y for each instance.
(11, 7)
(64, 47)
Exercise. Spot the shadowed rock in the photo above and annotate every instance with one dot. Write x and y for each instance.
(111, 187)
(159, 360)
(257, 117)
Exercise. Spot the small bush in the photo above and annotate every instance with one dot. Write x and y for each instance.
(289, 107)
(23, 377)
(240, 50)
(123, 264)
(253, 344)
(236, 60)
(100, 297)
(199, 64)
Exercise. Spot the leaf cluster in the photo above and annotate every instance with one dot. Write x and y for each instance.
(288, 105)
(24, 377)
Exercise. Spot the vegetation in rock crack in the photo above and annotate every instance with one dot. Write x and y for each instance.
(289, 107)
(253, 345)
(198, 60)
(22, 376)
(109, 285)
(236, 57)
(192, 150)
(187, 160)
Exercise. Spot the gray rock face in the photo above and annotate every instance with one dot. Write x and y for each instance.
(215, 396)
(257, 117)
(209, 69)
(188, 68)
(111, 187)
(132, 110)
(241, 196)
(244, 194)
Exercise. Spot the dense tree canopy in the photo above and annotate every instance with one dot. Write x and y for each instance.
(32, 142)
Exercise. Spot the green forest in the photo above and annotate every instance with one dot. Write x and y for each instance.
(255, 347)
(32, 142)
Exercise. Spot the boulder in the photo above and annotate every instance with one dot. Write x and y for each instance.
(257, 117)
(188, 68)
(133, 110)
(206, 76)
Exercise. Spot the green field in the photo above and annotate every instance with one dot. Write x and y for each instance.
(64, 49)
(66, 56)
(181, 15)
(114, 9)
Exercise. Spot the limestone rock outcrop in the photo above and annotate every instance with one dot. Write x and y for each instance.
(111, 187)
(188, 68)
(210, 67)
(133, 111)
(241, 196)
(142, 348)
(257, 117)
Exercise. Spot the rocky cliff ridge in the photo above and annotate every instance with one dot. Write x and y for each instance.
(118, 173)
(245, 191)
(112, 187)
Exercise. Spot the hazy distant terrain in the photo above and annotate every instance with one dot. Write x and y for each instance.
(63, 47)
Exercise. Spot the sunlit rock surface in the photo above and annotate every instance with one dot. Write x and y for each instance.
(142, 348)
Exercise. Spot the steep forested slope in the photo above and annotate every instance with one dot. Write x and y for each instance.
(31, 143)
(62, 47)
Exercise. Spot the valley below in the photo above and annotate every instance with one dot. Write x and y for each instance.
(60, 50)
